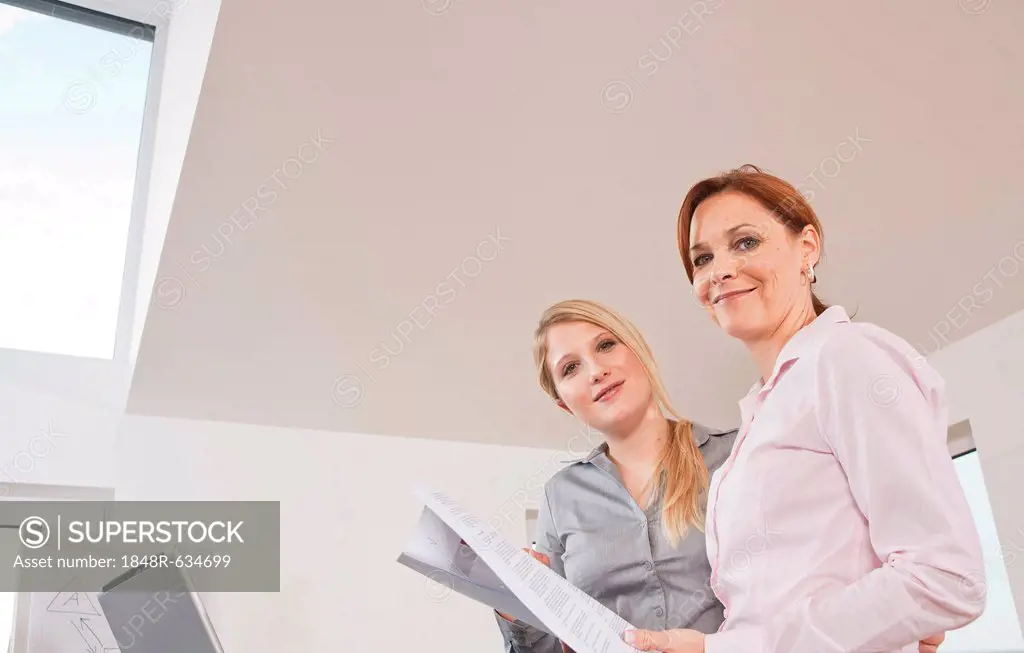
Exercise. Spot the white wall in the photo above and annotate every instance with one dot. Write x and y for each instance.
(985, 374)
(60, 416)
(347, 512)
(189, 38)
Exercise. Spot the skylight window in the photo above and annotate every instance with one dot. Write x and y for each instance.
(73, 87)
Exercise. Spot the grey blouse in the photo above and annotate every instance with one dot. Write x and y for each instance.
(601, 541)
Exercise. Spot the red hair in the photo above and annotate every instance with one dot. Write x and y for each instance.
(777, 195)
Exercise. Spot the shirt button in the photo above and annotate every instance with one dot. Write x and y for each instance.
(648, 566)
(659, 612)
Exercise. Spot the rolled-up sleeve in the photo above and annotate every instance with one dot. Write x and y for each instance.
(883, 414)
(521, 637)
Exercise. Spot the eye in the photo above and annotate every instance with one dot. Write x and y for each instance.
(567, 369)
(605, 345)
(701, 260)
(747, 243)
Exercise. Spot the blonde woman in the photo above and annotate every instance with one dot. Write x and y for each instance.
(879, 545)
(625, 523)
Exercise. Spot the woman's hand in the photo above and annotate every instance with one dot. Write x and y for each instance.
(546, 561)
(678, 640)
(930, 644)
(690, 641)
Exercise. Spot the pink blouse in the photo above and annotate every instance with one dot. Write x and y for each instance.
(838, 523)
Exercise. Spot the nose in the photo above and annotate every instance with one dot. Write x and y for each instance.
(723, 269)
(598, 374)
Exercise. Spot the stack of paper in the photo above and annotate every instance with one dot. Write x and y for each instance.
(455, 549)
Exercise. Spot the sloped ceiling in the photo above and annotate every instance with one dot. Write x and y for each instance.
(426, 177)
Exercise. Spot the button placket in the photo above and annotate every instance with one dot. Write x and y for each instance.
(730, 462)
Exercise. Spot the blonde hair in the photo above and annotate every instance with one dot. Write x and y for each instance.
(681, 472)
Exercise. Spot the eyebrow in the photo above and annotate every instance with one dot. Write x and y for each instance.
(730, 231)
(558, 363)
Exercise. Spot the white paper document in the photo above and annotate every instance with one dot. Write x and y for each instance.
(460, 552)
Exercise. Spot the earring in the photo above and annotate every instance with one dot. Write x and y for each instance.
(810, 274)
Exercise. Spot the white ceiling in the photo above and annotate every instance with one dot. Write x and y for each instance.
(451, 122)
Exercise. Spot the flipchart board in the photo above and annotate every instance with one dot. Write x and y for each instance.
(70, 621)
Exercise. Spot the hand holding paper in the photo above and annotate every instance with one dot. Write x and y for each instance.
(540, 557)
(506, 578)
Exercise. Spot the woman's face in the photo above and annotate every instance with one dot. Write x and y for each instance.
(748, 269)
(598, 379)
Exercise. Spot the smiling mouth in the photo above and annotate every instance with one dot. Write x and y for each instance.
(731, 295)
(604, 393)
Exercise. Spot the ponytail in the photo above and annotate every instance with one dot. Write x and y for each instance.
(684, 478)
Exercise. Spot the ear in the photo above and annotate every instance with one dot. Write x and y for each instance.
(809, 243)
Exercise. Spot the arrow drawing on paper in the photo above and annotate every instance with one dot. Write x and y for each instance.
(88, 635)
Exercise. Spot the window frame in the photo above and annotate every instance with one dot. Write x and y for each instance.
(960, 439)
(148, 14)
